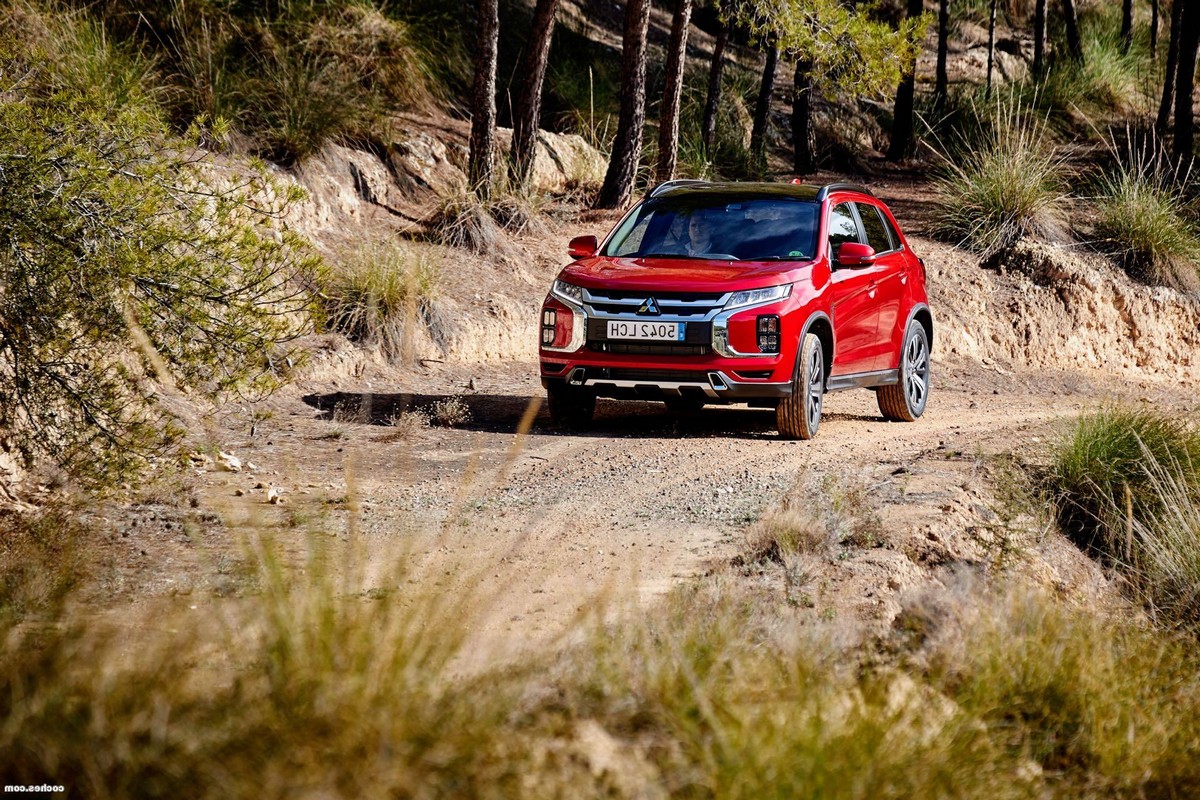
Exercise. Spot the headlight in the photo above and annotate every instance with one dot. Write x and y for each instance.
(752, 297)
(567, 291)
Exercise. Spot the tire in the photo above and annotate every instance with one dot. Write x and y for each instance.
(799, 414)
(570, 406)
(906, 400)
(684, 404)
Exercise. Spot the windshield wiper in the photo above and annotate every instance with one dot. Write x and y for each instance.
(701, 257)
(779, 258)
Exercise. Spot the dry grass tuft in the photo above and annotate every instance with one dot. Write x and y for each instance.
(377, 294)
(1001, 180)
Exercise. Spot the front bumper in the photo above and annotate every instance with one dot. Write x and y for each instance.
(715, 361)
(713, 386)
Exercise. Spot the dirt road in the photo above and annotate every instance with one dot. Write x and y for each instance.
(537, 527)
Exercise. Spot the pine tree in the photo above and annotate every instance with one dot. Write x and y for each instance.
(941, 86)
(1071, 21)
(712, 100)
(1126, 25)
(482, 154)
(668, 122)
(529, 99)
(762, 107)
(902, 116)
(1172, 70)
(627, 146)
(1185, 81)
(1039, 39)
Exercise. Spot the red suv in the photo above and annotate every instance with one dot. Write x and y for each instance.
(760, 293)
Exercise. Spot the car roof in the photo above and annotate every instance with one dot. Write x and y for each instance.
(800, 191)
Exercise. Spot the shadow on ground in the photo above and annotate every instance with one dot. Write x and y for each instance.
(501, 413)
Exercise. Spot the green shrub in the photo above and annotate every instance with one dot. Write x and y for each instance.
(127, 267)
(1000, 181)
(1146, 218)
(1108, 83)
(1126, 482)
(1101, 465)
(376, 294)
(291, 75)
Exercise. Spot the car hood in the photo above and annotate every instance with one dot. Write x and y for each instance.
(678, 274)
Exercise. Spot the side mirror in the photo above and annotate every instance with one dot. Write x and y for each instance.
(583, 246)
(853, 254)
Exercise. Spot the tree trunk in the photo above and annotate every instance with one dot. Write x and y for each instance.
(762, 108)
(1172, 69)
(1071, 19)
(1126, 25)
(708, 129)
(803, 162)
(1185, 81)
(529, 100)
(941, 87)
(627, 145)
(1154, 30)
(991, 46)
(1039, 39)
(483, 102)
(902, 111)
(668, 121)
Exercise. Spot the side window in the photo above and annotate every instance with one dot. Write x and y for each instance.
(891, 229)
(842, 227)
(877, 232)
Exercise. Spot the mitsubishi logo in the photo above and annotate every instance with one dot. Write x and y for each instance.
(649, 308)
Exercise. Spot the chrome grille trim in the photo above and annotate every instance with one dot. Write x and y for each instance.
(675, 308)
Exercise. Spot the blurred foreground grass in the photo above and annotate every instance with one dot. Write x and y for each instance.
(336, 678)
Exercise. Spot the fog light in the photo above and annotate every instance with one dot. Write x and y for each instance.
(549, 323)
(768, 333)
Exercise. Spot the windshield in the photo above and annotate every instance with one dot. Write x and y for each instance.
(715, 227)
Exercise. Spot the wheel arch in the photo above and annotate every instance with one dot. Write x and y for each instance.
(820, 324)
(921, 313)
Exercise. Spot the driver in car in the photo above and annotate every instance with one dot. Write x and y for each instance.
(700, 234)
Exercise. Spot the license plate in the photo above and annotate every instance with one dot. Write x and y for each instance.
(653, 331)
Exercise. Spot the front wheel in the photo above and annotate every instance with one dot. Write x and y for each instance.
(799, 414)
(905, 401)
(570, 406)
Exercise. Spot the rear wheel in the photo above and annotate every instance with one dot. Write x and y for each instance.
(905, 401)
(570, 406)
(799, 414)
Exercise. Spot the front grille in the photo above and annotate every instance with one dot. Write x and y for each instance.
(647, 375)
(649, 349)
(626, 302)
(687, 312)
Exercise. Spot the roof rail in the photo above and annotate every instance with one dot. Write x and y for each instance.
(837, 187)
(662, 187)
